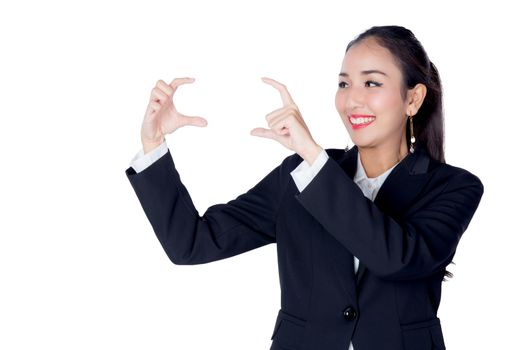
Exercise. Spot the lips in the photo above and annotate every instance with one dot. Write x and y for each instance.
(359, 121)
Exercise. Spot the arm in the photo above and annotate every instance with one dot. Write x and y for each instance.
(224, 230)
(423, 244)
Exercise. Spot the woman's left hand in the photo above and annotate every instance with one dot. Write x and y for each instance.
(288, 127)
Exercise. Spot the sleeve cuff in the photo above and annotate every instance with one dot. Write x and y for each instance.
(304, 173)
(141, 161)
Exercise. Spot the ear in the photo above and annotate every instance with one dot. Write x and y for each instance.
(416, 96)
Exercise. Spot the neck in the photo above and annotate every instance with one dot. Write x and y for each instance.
(377, 160)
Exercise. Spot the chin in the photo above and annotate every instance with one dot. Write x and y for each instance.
(361, 141)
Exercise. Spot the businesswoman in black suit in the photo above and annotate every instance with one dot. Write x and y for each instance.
(364, 235)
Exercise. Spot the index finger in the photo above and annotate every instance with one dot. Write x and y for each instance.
(175, 83)
(285, 95)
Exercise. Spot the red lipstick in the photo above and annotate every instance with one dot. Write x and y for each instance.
(359, 121)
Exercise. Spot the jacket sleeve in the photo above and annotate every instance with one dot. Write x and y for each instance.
(423, 244)
(224, 230)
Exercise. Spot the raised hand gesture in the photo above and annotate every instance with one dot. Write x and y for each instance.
(162, 117)
(287, 126)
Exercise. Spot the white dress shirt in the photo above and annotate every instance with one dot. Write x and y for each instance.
(302, 175)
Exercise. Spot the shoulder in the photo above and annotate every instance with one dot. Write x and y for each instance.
(456, 182)
(453, 173)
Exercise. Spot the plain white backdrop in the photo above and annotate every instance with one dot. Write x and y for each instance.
(80, 266)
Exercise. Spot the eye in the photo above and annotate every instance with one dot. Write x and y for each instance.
(342, 84)
(373, 82)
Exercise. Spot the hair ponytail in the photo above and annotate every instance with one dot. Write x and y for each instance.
(429, 123)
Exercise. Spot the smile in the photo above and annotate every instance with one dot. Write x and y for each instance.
(359, 121)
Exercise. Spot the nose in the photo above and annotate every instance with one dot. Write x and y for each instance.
(353, 99)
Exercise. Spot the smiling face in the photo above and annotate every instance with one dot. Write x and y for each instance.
(369, 97)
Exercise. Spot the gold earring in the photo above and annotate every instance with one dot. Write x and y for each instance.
(412, 137)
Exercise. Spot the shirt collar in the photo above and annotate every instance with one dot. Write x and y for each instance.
(360, 173)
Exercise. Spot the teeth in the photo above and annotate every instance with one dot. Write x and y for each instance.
(361, 120)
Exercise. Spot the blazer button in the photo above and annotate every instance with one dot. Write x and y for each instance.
(350, 314)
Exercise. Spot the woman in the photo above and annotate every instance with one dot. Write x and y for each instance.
(364, 235)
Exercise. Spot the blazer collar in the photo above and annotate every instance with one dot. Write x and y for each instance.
(413, 164)
(399, 189)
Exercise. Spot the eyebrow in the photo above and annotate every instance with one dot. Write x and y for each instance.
(364, 72)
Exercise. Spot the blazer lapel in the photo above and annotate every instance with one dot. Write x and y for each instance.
(399, 189)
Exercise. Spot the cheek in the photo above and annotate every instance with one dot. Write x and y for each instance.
(340, 103)
(385, 103)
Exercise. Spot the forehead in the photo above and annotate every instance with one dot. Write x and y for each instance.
(367, 55)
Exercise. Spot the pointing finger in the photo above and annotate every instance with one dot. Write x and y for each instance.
(285, 95)
(175, 83)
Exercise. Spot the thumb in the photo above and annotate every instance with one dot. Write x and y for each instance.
(262, 132)
(195, 121)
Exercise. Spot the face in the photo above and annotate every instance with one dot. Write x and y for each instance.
(370, 103)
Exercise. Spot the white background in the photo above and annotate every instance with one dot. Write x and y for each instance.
(80, 266)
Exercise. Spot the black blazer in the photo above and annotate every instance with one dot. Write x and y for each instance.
(404, 241)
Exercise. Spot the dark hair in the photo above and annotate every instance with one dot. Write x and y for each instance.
(416, 67)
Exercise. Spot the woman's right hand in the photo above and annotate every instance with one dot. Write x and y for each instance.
(162, 117)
